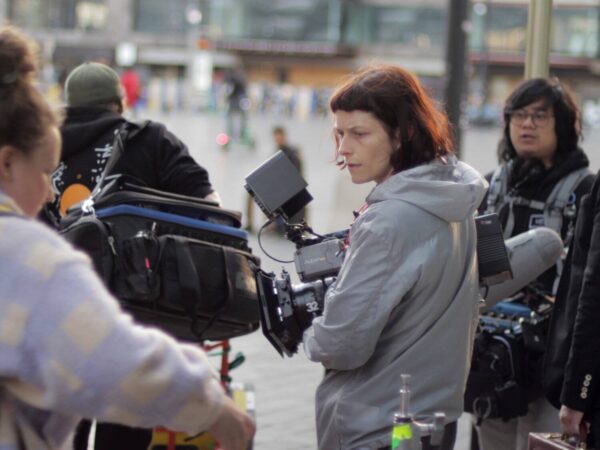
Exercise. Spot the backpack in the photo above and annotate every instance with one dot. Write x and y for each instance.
(510, 342)
(559, 205)
(179, 263)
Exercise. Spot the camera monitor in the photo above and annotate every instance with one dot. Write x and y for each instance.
(278, 188)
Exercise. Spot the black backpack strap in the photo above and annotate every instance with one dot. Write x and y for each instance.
(127, 131)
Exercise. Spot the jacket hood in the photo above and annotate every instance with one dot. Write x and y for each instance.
(450, 189)
(84, 126)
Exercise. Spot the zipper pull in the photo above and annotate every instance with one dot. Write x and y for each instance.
(111, 243)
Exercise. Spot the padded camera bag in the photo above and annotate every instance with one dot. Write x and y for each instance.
(175, 262)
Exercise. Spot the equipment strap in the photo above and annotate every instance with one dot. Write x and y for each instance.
(127, 131)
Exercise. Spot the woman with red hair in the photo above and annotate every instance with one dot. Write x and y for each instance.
(405, 300)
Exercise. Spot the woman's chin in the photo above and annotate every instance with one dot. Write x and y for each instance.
(358, 180)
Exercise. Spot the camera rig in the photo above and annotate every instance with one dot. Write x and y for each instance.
(286, 310)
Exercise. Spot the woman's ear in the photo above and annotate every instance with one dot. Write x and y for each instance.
(397, 140)
(7, 160)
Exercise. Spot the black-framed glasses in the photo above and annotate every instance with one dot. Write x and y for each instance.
(538, 118)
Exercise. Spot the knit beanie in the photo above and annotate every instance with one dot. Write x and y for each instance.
(92, 84)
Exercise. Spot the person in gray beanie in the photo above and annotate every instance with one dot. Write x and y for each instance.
(154, 156)
(94, 113)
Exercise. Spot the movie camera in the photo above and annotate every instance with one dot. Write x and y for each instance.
(287, 310)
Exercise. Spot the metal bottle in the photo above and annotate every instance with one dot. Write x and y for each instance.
(408, 430)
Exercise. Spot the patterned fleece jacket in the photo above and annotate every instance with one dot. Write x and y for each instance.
(67, 350)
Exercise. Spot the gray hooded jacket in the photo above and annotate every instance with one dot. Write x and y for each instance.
(405, 301)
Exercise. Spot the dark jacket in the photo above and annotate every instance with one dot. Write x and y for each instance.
(572, 362)
(533, 181)
(154, 156)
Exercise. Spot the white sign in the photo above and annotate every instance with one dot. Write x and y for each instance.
(126, 54)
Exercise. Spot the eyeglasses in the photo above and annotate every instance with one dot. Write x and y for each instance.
(538, 118)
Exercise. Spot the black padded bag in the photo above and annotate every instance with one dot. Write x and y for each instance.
(95, 238)
(175, 262)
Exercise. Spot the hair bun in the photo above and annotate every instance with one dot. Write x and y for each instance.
(18, 55)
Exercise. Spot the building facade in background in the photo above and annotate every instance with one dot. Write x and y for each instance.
(297, 49)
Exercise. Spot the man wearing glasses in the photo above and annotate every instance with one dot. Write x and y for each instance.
(541, 178)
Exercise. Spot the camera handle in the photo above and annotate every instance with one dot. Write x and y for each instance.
(295, 232)
(408, 430)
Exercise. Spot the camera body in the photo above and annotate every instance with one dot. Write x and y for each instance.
(287, 310)
(319, 260)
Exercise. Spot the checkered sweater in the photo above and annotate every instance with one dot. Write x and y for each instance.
(67, 350)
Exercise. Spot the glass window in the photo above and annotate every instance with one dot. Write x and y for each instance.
(69, 14)
(507, 28)
(299, 20)
(164, 17)
(575, 31)
(421, 28)
(498, 28)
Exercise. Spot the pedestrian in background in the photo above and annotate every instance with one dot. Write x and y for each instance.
(294, 155)
(133, 89)
(238, 104)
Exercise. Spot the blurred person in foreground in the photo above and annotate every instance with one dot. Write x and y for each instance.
(541, 179)
(94, 114)
(66, 349)
(406, 298)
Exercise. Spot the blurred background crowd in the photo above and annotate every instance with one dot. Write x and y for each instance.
(290, 53)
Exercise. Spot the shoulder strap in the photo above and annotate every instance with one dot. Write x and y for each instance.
(127, 131)
(557, 206)
(497, 189)
(560, 203)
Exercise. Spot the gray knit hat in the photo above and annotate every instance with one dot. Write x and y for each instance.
(92, 84)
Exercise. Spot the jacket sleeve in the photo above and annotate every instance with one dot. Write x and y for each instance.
(178, 172)
(345, 336)
(581, 372)
(81, 355)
